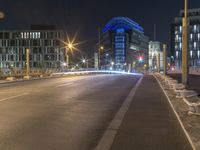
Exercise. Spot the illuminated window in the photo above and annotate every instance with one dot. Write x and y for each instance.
(31, 35)
(177, 38)
(22, 35)
(195, 45)
(198, 53)
(191, 54)
(176, 54)
(195, 28)
(120, 30)
(191, 37)
(180, 28)
(180, 46)
(198, 36)
(25, 35)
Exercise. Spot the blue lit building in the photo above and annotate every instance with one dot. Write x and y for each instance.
(125, 45)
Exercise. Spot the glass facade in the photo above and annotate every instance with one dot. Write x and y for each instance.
(193, 38)
(123, 41)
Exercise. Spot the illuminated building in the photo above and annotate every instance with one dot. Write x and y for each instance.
(194, 38)
(155, 49)
(43, 42)
(124, 43)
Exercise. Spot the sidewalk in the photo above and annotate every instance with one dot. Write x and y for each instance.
(150, 123)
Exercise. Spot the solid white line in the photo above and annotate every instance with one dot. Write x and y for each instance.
(106, 141)
(177, 116)
(13, 97)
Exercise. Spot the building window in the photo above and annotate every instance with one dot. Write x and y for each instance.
(177, 54)
(195, 45)
(191, 37)
(191, 54)
(195, 28)
(180, 29)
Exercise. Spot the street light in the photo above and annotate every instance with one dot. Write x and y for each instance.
(2, 15)
(100, 49)
(185, 46)
(85, 62)
(70, 46)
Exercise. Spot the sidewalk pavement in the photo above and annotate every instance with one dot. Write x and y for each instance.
(150, 123)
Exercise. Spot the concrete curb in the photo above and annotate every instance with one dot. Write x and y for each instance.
(177, 116)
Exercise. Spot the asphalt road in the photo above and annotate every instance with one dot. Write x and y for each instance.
(61, 113)
(150, 123)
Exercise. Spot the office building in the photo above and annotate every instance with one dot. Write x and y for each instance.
(46, 50)
(155, 55)
(125, 47)
(193, 38)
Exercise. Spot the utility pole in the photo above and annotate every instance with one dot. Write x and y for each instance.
(158, 62)
(99, 48)
(154, 30)
(67, 59)
(27, 64)
(165, 59)
(185, 46)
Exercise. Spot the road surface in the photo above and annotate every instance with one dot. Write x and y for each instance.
(73, 113)
(60, 114)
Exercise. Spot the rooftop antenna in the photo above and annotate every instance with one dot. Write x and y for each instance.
(154, 36)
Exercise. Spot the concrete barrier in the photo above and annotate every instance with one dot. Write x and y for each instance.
(11, 78)
(27, 77)
(190, 97)
(194, 104)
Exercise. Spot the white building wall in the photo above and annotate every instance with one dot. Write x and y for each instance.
(155, 48)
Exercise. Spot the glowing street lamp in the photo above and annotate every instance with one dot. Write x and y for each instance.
(140, 59)
(100, 49)
(70, 45)
(2, 15)
(84, 61)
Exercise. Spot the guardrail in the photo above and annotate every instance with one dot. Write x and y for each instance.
(95, 72)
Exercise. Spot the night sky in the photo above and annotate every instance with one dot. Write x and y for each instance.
(87, 15)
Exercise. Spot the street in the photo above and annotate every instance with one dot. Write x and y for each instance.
(73, 113)
(58, 114)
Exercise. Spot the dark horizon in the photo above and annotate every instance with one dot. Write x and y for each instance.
(86, 16)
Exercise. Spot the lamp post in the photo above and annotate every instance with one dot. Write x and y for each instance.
(27, 64)
(158, 61)
(69, 46)
(100, 49)
(165, 59)
(185, 46)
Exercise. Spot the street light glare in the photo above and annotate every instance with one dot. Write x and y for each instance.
(2, 15)
(101, 47)
(70, 45)
(84, 61)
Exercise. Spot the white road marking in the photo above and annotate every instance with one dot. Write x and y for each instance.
(176, 114)
(13, 97)
(66, 84)
(107, 140)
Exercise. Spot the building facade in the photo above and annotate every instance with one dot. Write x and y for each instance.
(193, 38)
(46, 50)
(125, 47)
(155, 56)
